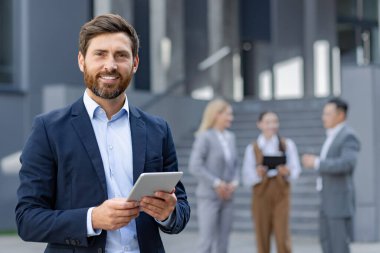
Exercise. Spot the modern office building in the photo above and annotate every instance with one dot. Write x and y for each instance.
(244, 50)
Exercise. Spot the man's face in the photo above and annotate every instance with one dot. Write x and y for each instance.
(108, 65)
(331, 116)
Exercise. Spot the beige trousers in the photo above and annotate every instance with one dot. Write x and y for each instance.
(270, 208)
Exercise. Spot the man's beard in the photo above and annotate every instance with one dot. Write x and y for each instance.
(105, 91)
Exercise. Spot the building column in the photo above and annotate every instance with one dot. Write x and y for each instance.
(158, 46)
(175, 32)
(362, 82)
(321, 73)
(124, 8)
(143, 79)
(195, 43)
(309, 30)
(223, 32)
(286, 51)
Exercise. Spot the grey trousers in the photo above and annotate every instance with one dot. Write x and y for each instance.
(215, 223)
(335, 234)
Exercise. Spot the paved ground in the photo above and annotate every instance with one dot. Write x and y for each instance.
(186, 243)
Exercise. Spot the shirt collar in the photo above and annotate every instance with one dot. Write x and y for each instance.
(92, 106)
(336, 129)
(262, 141)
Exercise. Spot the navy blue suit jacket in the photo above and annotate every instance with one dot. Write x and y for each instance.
(62, 175)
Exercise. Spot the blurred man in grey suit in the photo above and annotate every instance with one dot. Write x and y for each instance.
(335, 166)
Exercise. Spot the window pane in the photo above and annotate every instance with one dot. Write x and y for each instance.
(6, 41)
(370, 9)
(346, 8)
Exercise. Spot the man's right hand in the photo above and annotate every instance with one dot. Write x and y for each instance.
(308, 161)
(114, 213)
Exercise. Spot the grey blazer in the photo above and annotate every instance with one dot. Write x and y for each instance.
(207, 162)
(338, 195)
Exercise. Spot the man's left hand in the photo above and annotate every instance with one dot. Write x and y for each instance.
(160, 206)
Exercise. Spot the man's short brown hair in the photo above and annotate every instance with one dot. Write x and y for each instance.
(108, 23)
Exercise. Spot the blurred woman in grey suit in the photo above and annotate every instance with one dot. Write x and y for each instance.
(213, 161)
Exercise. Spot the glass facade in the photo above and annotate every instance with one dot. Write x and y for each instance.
(357, 29)
(6, 61)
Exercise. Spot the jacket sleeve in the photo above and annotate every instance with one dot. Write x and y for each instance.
(236, 177)
(293, 160)
(181, 214)
(197, 160)
(346, 161)
(36, 218)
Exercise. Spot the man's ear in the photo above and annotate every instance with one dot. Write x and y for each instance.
(342, 115)
(81, 61)
(136, 63)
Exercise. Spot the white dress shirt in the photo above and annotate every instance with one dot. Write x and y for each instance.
(115, 144)
(223, 138)
(269, 147)
(330, 136)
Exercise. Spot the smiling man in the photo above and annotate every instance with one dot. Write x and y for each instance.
(80, 162)
(335, 165)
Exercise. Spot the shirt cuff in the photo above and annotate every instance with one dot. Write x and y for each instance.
(235, 183)
(216, 183)
(317, 161)
(168, 222)
(90, 229)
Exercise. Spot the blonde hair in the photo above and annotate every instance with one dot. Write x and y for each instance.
(213, 108)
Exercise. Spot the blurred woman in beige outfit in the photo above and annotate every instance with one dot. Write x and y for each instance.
(270, 163)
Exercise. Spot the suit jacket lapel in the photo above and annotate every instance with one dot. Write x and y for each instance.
(83, 127)
(138, 133)
(336, 141)
(214, 135)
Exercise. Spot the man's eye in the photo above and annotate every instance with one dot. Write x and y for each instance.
(122, 55)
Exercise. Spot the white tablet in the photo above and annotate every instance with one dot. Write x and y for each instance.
(149, 183)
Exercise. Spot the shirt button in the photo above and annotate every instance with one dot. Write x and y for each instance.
(110, 147)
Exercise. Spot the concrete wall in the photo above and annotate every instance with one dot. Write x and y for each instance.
(46, 38)
(360, 87)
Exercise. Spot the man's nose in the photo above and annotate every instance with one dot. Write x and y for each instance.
(110, 64)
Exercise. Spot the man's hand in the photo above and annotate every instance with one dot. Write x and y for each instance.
(114, 213)
(160, 206)
(283, 170)
(308, 161)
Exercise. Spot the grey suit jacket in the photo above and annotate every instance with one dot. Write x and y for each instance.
(338, 194)
(207, 162)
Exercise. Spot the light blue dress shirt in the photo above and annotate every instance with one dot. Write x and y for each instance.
(115, 145)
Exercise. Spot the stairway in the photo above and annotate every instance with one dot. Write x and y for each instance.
(300, 120)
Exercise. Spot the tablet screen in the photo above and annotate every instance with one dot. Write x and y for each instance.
(149, 183)
(273, 161)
